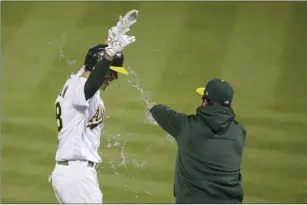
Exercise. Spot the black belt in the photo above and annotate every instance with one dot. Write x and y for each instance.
(89, 164)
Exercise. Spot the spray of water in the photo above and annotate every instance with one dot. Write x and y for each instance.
(136, 83)
(120, 163)
(64, 57)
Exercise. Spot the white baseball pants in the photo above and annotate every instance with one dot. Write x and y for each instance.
(76, 183)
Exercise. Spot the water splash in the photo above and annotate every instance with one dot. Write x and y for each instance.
(119, 163)
(122, 155)
(146, 98)
(136, 83)
(122, 160)
(138, 164)
(63, 56)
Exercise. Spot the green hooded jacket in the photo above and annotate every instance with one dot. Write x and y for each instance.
(210, 146)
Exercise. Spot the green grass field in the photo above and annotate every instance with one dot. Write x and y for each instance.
(260, 48)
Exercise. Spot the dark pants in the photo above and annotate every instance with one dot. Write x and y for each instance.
(198, 200)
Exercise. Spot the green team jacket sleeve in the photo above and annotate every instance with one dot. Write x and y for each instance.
(168, 119)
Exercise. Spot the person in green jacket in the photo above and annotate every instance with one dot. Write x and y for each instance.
(210, 146)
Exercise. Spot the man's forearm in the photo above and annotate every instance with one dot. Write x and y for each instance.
(168, 119)
(97, 76)
(162, 114)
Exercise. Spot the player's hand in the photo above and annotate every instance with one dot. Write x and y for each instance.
(128, 20)
(119, 43)
(124, 23)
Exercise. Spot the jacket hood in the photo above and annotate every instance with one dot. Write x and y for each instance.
(217, 118)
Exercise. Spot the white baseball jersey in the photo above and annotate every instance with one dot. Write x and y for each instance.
(79, 121)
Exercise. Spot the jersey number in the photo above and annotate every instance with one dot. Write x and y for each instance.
(58, 116)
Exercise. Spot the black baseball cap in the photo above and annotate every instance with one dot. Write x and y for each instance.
(218, 91)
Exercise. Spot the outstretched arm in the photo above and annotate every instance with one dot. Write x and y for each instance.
(117, 41)
(168, 119)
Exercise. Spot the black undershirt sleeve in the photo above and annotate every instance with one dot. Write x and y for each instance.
(97, 76)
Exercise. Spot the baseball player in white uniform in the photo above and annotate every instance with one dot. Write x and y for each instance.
(80, 117)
